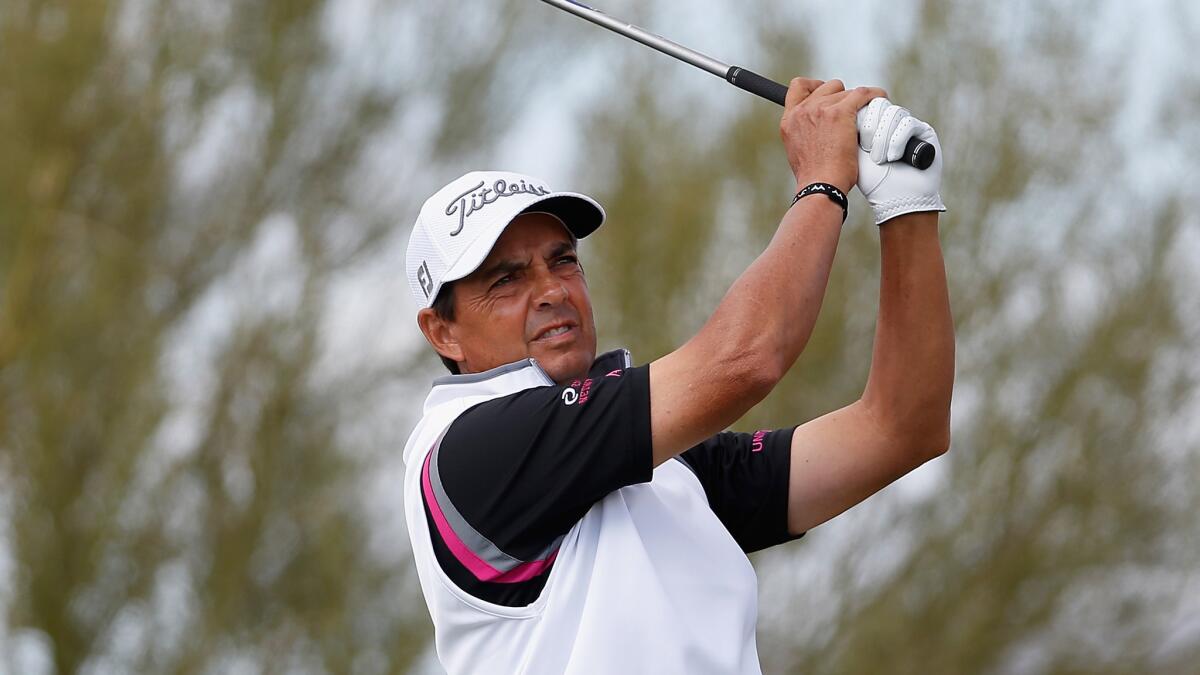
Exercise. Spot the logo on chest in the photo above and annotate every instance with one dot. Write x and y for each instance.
(577, 392)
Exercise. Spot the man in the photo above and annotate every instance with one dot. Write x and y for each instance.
(575, 514)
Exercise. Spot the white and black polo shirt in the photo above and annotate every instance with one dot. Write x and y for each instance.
(546, 543)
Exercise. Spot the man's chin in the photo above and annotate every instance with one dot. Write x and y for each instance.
(565, 367)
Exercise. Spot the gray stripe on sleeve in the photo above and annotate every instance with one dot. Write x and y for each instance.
(479, 544)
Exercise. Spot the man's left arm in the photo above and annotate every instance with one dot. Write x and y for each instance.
(902, 419)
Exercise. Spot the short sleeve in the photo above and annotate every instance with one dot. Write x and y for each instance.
(521, 470)
(746, 477)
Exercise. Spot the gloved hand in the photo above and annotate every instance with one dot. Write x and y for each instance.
(893, 188)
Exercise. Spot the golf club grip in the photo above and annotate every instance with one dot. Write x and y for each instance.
(917, 153)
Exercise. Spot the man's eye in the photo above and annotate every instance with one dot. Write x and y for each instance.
(568, 259)
(502, 281)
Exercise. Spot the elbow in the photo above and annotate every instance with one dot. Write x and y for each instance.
(929, 439)
(743, 357)
(751, 373)
(918, 437)
(919, 447)
(769, 371)
(738, 367)
(751, 382)
(759, 370)
(938, 444)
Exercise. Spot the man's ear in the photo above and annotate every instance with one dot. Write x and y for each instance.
(439, 334)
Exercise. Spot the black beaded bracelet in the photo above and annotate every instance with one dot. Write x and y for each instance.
(835, 195)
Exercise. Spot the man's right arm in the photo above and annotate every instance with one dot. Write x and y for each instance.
(763, 323)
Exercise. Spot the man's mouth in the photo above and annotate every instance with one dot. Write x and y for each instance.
(554, 331)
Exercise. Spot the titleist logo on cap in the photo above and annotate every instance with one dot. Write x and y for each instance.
(479, 196)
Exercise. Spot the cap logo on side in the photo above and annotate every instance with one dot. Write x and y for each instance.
(424, 279)
(479, 196)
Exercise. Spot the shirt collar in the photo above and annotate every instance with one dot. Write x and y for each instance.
(512, 377)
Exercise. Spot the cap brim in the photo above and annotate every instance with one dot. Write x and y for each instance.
(581, 214)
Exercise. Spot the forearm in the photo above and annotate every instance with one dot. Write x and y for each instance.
(753, 336)
(912, 369)
(762, 324)
(768, 314)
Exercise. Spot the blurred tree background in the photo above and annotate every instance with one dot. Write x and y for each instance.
(208, 365)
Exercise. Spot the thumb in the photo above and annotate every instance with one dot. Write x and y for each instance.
(868, 122)
(870, 174)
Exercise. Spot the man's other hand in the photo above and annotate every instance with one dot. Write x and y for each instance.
(894, 188)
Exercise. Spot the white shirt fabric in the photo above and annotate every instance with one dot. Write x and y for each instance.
(648, 581)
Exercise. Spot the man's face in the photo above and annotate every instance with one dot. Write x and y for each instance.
(529, 298)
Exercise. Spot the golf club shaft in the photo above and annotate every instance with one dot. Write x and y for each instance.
(917, 153)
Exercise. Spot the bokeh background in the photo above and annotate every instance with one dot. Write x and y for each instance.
(209, 363)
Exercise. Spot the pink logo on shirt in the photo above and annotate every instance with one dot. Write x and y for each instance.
(577, 392)
(615, 373)
(756, 443)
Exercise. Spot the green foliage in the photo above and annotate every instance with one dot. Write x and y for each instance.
(185, 187)
(179, 195)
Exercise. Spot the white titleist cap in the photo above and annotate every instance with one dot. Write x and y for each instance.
(460, 223)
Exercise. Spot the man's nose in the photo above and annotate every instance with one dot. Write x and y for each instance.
(550, 290)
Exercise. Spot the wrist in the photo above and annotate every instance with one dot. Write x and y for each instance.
(913, 220)
(824, 191)
(901, 206)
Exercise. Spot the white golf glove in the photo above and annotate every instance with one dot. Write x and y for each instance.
(893, 188)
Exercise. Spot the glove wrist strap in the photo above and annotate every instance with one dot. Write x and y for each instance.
(835, 195)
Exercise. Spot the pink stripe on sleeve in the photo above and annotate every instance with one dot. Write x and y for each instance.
(478, 567)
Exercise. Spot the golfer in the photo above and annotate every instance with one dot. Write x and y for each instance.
(574, 513)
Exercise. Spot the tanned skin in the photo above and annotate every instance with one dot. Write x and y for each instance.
(530, 298)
